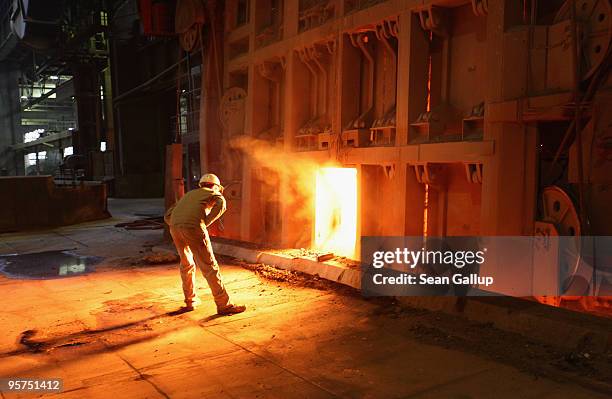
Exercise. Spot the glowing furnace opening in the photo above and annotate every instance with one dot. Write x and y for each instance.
(336, 211)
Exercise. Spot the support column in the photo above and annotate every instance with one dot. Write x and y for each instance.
(288, 236)
(10, 120)
(212, 87)
(412, 74)
(290, 18)
(412, 62)
(509, 175)
(87, 96)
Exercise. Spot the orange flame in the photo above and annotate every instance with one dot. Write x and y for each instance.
(336, 210)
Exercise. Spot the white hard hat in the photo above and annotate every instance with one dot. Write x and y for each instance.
(210, 178)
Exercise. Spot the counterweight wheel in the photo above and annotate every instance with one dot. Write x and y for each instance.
(559, 209)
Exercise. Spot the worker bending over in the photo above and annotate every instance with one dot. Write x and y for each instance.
(189, 219)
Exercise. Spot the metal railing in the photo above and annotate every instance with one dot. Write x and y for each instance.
(189, 123)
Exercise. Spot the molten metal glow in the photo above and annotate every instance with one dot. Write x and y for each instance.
(336, 210)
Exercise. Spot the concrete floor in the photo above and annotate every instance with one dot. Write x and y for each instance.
(111, 334)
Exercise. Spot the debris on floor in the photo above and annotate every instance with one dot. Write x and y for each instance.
(272, 273)
(160, 258)
(150, 258)
(318, 255)
(149, 223)
(324, 257)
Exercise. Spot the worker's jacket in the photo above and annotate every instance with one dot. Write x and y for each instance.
(192, 208)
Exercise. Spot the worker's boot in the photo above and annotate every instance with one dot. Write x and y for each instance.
(190, 305)
(231, 309)
(183, 309)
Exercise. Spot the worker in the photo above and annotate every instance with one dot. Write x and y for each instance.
(189, 220)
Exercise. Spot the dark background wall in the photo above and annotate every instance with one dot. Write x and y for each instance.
(146, 128)
(144, 103)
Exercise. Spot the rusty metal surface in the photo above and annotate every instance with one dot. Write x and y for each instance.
(35, 201)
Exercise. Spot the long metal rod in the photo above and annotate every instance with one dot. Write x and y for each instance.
(577, 103)
(370, 88)
(202, 132)
(599, 76)
(213, 27)
(177, 133)
(43, 97)
(314, 93)
(118, 132)
(384, 37)
(147, 83)
(314, 58)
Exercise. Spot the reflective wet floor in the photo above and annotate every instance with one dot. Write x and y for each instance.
(46, 265)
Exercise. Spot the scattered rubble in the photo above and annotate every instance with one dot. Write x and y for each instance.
(273, 273)
(149, 258)
(317, 255)
(159, 258)
(324, 257)
(149, 223)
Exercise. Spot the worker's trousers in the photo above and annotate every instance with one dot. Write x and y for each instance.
(194, 247)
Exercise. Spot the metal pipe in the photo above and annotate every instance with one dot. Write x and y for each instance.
(277, 106)
(215, 45)
(393, 28)
(590, 92)
(384, 38)
(275, 80)
(370, 77)
(43, 97)
(577, 99)
(118, 132)
(353, 42)
(315, 59)
(314, 94)
(600, 76)
(148, 82)
(177, 133)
